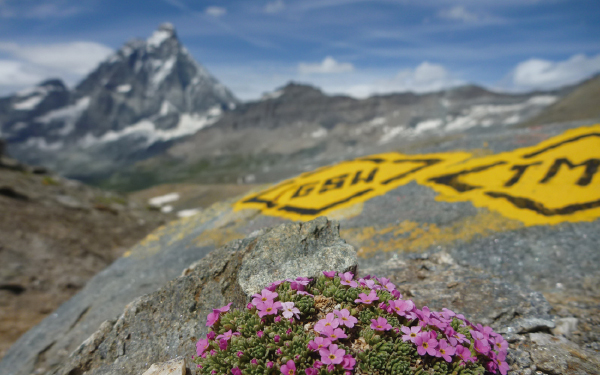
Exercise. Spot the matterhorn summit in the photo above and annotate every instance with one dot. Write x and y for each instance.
(143, 97)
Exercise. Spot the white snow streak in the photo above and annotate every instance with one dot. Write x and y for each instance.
(158, 37)
(29, 103)
(163, 199)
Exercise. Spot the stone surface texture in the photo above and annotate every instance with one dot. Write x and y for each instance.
(167, 323)
(172, 367)
(288, 253)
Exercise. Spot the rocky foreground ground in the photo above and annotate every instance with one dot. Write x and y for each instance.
(55, 234)
(534, 281)
(165, 324)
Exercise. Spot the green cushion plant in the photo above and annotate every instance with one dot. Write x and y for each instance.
(335, 324)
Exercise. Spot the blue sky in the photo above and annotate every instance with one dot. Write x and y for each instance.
(356, 47)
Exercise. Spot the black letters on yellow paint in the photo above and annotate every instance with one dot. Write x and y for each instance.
(304, 190)
(519, 171)
(453, 181)
(591, 167)
(333, 183)
(369, 178)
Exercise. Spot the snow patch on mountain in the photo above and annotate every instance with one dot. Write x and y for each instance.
(428, 125)
(162, 69)
(123, 89)
(159, 36)
(29, 103)
(146, 129)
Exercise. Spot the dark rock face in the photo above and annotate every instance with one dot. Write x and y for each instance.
(18, 112)
(146, 94)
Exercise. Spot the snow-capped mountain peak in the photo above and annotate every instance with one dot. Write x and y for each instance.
(150, 91)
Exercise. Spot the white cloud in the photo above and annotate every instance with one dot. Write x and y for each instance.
(544, 74)
(29, 64)
(75, 57)
(328, 65)
(15, 73)
(59, 9)
(425, 77)
(215, 11)
(458, 13)
(275, 6)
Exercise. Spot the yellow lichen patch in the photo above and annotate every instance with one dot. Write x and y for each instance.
(177, 230)
(409, 236)
(345, 213)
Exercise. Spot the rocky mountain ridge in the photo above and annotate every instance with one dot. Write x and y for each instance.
(147, 94)
(298, 128)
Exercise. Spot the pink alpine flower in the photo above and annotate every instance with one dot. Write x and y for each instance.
(465, 354)
(318, 343)
(345, 318)
(227, 335)
(369, 284)
(289, 310)
(329, 321)
(381, 324)
(500, 362)
(311, 371)
(499, 344)
(425, 344)
(318, 364)
(367, 299)
(481, 346)
(211, 335)
(270, 364)
(201, 346)
(277, 338)
(332, 355)
(240, 354)
(347, 279)
(212, 318)
(349, 362)
(223, 344)
(396, 294)
(401, 307)
(334, 333)
(302, 292)
(236, 371)
(268, 308)
(329, 274)
(289, 368)
(410, 334)
(274, 285)
(445, 351)
(254, 361)
(454, 337)
(264, 296)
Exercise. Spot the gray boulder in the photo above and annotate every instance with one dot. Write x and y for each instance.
(167, 323)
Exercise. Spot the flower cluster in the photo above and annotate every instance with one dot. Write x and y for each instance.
(337, 324)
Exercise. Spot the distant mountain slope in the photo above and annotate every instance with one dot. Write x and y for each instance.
(298, 127)
(581, 104)
(55, 234)
(147, 94)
